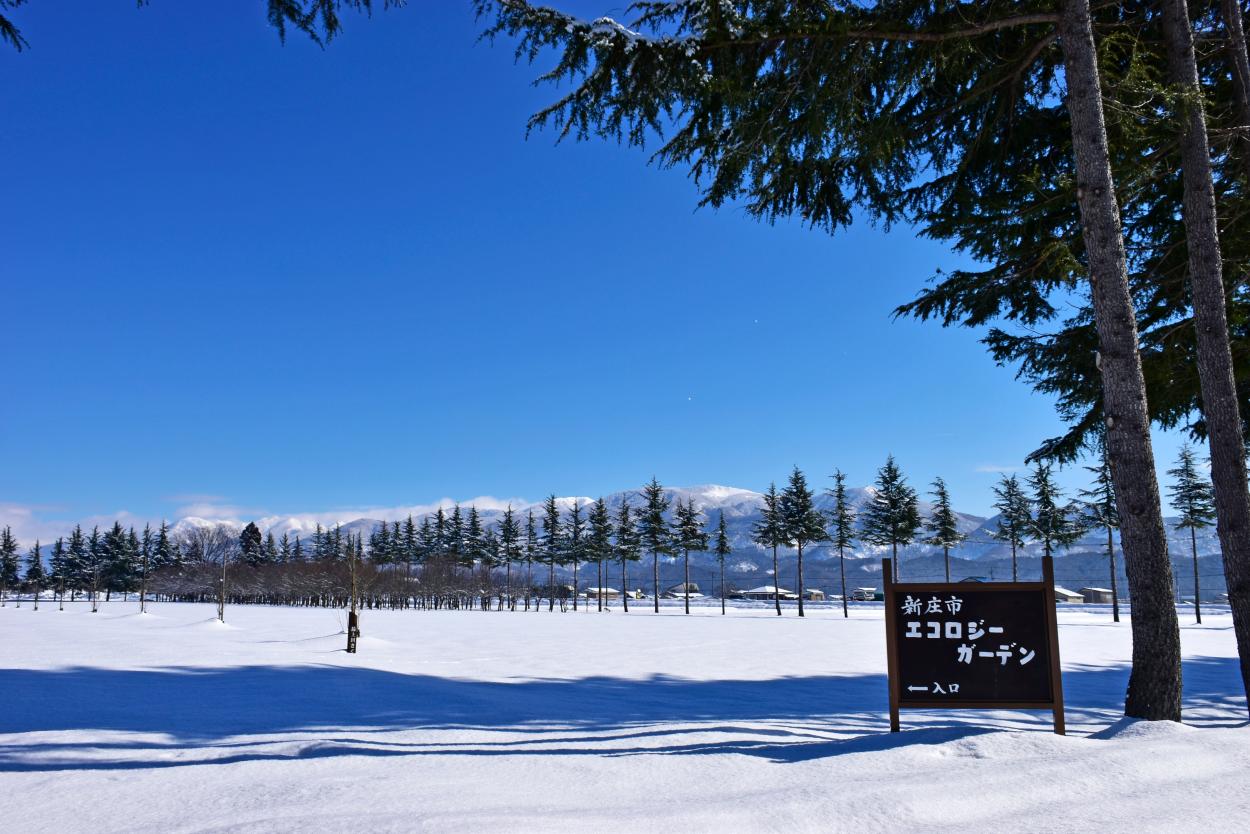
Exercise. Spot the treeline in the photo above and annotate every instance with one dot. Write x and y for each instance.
(453, 559)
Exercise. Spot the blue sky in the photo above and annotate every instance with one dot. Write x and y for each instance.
(278, 279)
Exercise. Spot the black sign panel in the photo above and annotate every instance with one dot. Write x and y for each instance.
(962, 642)
(961, 645)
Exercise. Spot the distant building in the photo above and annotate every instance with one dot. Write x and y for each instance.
(680, 590)
(1064, 595)
(814, 595)
(863, 594)
(1096, 595)
(605, 593)
(766, 592)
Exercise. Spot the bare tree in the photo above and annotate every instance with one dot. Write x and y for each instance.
(213, 544)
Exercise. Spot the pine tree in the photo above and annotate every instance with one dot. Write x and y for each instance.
(57, 576)
(146, 549)
(251, 545)
(768, 532)
(722, 550)
(318, 544)
(688, 535)
(163, 555)
(285, 553)
(1054, 525)
(454, 543)
(77, 562)
(95, 566)
(491, 558)
(575, 542)
(842, 528)
(943, 524)
(1015, 518)
(35, 576)
(891, 517)
(1099, 502)
(653, 531)
(801, 522)
(552, 545)
(473, 541)
(628, 546)
(600, 543)
(509, 550)
(1191, 495)
(532, 551)
(8, 563)
(297, 552)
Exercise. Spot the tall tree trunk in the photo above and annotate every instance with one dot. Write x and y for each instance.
(1215, 360)
(599, 595)
(624, 584)
(574, 584)
(946, 557)
(800, 579)
(776, 587)
(1193, 544)
(722, 587)
(1115, 588)
(655, 579)
(1015, 573)
(143, 587)
(551, 587)
(1239, 64)
(842, 569)
(686, 588)
(1154, 689)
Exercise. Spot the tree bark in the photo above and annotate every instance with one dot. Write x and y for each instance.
(776, 587)
(624, 586)
(1215, 360)
(842, 569)
(1193, 542)
(1239, 64)
(655, 579)
(1154, 689)
(1115, 589)
(687, 585)
(800, 579)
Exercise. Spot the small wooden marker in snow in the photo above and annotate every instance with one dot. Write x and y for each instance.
(973, 645)
(353, 631)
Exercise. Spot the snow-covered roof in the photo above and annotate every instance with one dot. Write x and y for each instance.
(767, 589)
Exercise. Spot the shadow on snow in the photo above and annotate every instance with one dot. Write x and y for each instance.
(342, 711)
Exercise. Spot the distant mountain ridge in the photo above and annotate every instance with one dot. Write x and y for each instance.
(742, 509)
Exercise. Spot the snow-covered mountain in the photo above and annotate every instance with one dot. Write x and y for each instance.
(742, 509)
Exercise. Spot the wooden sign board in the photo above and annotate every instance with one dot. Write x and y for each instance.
(973, 645)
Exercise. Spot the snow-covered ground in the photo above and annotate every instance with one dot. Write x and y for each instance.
(472, 721)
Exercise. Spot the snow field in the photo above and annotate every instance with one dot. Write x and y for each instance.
(455, 720)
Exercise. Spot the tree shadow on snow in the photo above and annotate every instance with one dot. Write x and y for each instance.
(248, 713)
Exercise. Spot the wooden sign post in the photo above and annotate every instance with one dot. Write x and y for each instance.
(973, 645)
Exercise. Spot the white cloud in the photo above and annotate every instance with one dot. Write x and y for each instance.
(996, 470)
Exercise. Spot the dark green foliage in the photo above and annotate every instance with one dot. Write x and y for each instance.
(251, 545)
(943, 525)
(1015, 517)
(36, 578)
(891, 518)
(1190, 493)
(841, 528)
(1055, 524)
(8, 559)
